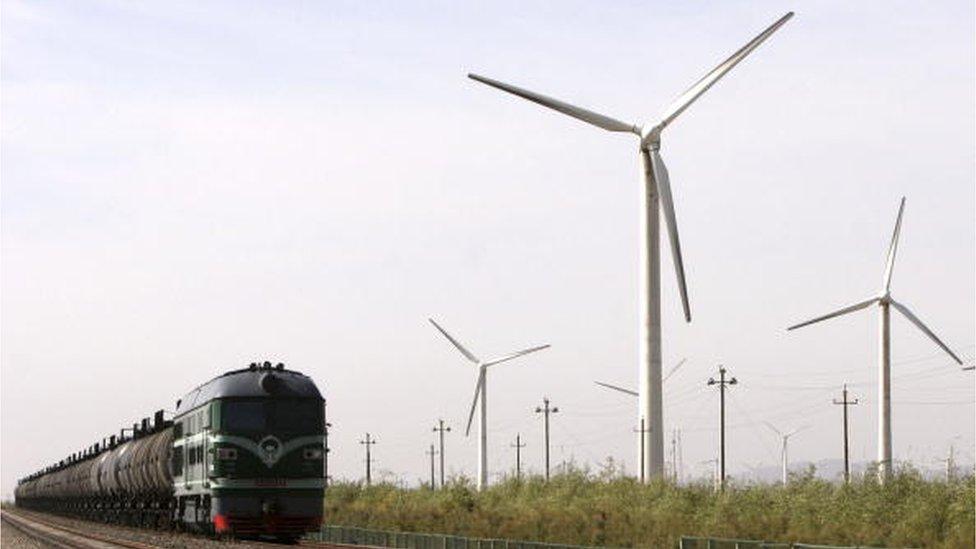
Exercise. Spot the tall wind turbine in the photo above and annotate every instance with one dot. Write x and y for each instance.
(784, 452)
(657, 198)
(884, 301)
(481, 393)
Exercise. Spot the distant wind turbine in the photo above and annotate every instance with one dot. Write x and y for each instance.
(481, 392)
(885, 302)
(784, 452)
(657, 201)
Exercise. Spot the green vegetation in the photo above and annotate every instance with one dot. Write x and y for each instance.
(581, 508)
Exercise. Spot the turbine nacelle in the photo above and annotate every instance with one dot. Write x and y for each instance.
(651, 138)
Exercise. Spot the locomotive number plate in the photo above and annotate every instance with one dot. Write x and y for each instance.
(270, 483)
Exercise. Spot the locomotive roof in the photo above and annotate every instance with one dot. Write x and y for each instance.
(254, 381)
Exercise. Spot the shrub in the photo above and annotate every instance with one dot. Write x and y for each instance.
(577, 507)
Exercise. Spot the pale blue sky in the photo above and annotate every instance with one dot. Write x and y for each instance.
(187, 188)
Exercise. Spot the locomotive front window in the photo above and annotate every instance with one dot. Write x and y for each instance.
(297, 416)
(289, 416)
(244, 415)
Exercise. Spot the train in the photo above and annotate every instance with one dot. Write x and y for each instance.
(244, 455)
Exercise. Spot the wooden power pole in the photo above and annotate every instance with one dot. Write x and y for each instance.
(440, 429)
(518, 456)
(546, 410)
(369, 442)
(722, 384)
(847, 455)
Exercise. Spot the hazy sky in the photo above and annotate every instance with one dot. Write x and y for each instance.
(188, 187)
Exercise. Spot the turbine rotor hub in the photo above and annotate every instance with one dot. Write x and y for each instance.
(651, 138)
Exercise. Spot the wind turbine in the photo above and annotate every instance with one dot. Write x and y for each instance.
(635, 393)
(884, 301)
(784, 452)
(657, 200)
(481, 392)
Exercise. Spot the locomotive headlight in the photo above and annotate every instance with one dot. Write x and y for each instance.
(313, 453)
(227, 453)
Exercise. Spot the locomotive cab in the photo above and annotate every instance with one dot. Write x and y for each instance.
(248, 454)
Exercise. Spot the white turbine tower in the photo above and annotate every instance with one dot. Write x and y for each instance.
(481, 393)
(657, 198)
(784, 452)
(884, 301)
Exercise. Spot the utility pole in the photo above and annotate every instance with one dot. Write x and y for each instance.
(546, 410)
(369, 458)
(640, 433)
(518, 456)
(847, 456)
(432, 453)
(722, 383)
(440, 429)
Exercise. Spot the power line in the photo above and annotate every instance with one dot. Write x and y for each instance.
(751, 423)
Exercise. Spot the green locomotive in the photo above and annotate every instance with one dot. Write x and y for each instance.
(244, 455)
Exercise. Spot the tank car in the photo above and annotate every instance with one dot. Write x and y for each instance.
(244, 455)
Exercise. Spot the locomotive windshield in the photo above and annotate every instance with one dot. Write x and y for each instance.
(270, 415)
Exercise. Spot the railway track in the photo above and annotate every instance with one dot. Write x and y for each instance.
(72, 534)
(62, 536)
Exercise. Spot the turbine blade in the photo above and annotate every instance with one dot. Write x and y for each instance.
(684, 100)
(667, 207)
(893, 247)
(925, 329)
(460, 347)
(515, 355)
(674, 369)
(844, 311)
(474, 403)
(775, 430)
(615, 388)
(579, 113)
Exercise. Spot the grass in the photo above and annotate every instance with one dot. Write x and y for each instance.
(578, 507)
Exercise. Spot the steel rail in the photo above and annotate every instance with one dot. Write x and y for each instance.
(60, 535)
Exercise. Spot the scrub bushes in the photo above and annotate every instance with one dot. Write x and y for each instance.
(580, 508)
